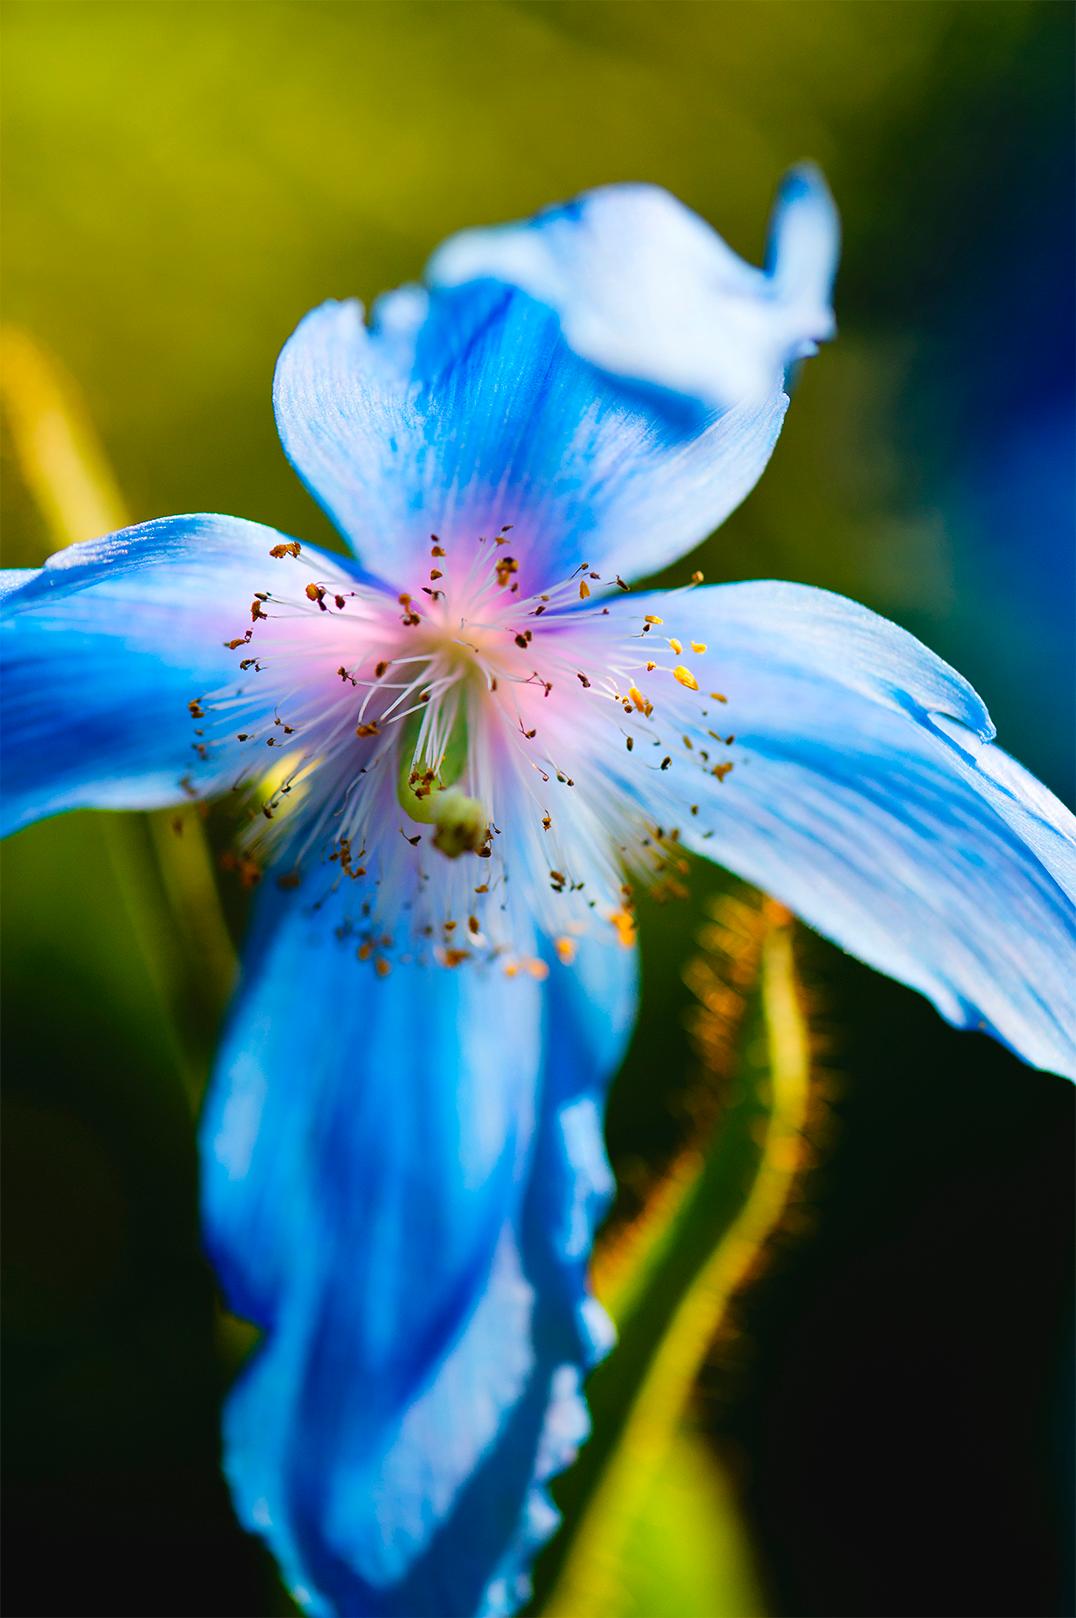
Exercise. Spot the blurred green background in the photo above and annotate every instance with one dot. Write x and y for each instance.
(181, 182)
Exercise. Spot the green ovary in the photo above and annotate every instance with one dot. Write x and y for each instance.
(431, 797)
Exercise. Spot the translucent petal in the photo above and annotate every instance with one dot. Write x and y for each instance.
(401, 1177)
(646, 291)
(464, 411)
(866, 793)
(102, 651)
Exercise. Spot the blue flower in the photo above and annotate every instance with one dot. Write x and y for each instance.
(454, 758)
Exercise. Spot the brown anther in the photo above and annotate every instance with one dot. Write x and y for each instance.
(504, 567)
(453, 957)
(547, 821)
(435, 573)
(630, 740)
(290, 548)
(382, 967)
(195, 709)
(250, 872)
(666, 761)
(241, 640)
(473, 924)
(380, 669)
(584, 682)
(371, 729)
(256, 610)
(288, 879)
(483, 887)
(721, 770)
(339, 602)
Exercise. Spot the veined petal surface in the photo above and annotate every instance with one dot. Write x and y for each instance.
(866, 793)
(104, 648)
(401, 1175)
(648, 293)
(496, 397)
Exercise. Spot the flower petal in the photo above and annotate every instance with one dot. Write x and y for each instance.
(400, 1180)
(102, 650)
(866, 794)
(466, 408)
(646, 291)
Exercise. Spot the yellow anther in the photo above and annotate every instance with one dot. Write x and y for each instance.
(651, 619)
(716, 696)
(624, 922)
(676, 646)
(698, 646)
(565, 948)
(650, 667)
(685, 677)
(584, 589)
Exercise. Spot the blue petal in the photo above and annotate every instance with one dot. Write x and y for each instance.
(401, 1177)
(101, 651)
(646, 291)
(866, 794)
(464, 410)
